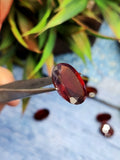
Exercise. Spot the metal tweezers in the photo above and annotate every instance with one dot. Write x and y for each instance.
(26, 88)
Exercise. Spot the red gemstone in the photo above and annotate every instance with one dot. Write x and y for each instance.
(106, 129)
(103, 117)
(69, 83)
(41, 114)
(91, 92)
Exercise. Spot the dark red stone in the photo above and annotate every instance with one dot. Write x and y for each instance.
(103, 117)
(106, 129)
(41, 114)
(91, 92)
(69, 83)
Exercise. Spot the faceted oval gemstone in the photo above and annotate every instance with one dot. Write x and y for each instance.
(106, 129)
(102, 117)
(69, 83)
(91, 92)
(41, 114)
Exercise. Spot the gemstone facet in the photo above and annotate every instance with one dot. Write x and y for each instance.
(69, 83)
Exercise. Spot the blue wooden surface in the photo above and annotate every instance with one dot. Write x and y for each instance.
(70, 132)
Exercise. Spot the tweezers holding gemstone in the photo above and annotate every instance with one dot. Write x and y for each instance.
(66, 79)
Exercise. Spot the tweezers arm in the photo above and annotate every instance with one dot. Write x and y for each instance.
(7, 94)
(24, 88)
(29, 84)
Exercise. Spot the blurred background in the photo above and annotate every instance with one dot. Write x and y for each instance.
(34, 36)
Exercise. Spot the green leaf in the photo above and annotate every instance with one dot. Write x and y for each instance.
(82, 41)
(7, 39)
(60, 1)
(46, 52)
(114, 5)
(9, 65)
(69, 11)
(93, 32)
(44, 14)
(68, 29)
(76, 49)
(64, 4)
(111, 13)
(40, 25)
(49, 64)
(79, 43)
(92, 15)
(29, 67)
(25, 102)
(7, 56)
(27, 5)
(14, 29)
(25, 24)
(41, 39)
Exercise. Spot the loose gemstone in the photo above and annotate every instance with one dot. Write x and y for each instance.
(91, 92)
(106, 129)
(103, 117)
(41, 114)
(69, 83)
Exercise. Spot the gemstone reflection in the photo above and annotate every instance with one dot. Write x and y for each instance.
(106, 129)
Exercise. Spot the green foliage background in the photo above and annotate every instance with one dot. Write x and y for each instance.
(32, 26)
(35, 24)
